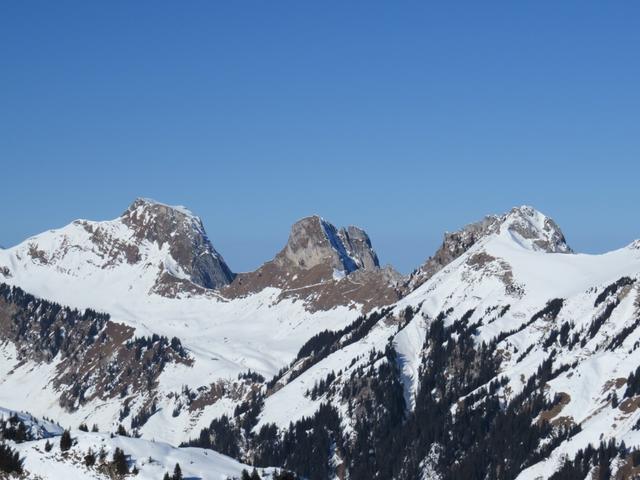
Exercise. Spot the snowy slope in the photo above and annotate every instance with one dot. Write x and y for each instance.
(151, 458)
(508, 272)
(37, 428)
(224, 338)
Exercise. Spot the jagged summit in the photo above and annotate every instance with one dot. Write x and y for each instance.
(315, 242)
(527, 226)
(358, 246)
(325, 265)
(151, 204)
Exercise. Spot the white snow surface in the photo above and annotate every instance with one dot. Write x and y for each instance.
(151, 458)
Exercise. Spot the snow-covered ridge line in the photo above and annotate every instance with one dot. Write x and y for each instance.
(150, 201)
(480, 295)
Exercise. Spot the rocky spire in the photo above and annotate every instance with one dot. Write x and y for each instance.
(534, 229)
(326, 267)
(315, 242)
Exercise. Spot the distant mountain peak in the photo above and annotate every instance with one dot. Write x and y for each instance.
(145, 214)
(186, 237)
(326, 265)
(155, 246)
(539, 231)
(313, 241)
(526, 225)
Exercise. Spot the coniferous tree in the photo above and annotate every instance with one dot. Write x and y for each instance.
(90, 458)
(177, 472)
(10, 461)
(102, 454)
(66, 441)
(255, 475)
(119, 462)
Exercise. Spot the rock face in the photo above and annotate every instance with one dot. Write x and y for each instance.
(184, 233)
(531, 228)
(326, 266)
(315, 242)
(358, 246)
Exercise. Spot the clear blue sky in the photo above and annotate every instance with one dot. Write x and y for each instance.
(406, 118)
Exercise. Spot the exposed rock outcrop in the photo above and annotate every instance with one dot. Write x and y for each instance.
(326, 267)
(358, 246)
(315, 242)
(184, 233)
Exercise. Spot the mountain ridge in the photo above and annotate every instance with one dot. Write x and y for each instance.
(507, 323)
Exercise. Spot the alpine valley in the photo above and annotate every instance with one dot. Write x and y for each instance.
(130, 349)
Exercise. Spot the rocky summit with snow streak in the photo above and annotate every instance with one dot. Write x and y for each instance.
(324, 267)
(505, 355)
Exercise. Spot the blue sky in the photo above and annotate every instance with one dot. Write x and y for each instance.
(406, 118)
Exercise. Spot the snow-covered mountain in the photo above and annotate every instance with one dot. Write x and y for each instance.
(525, 224)
(505, 355)
(510, 299)
(150, 271)
(150, 248)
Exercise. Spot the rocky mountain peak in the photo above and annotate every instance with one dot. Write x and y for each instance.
(185, 236)
(531, 228)
(313, 242)
(538, 231)
(326, 266)
(155, 221)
